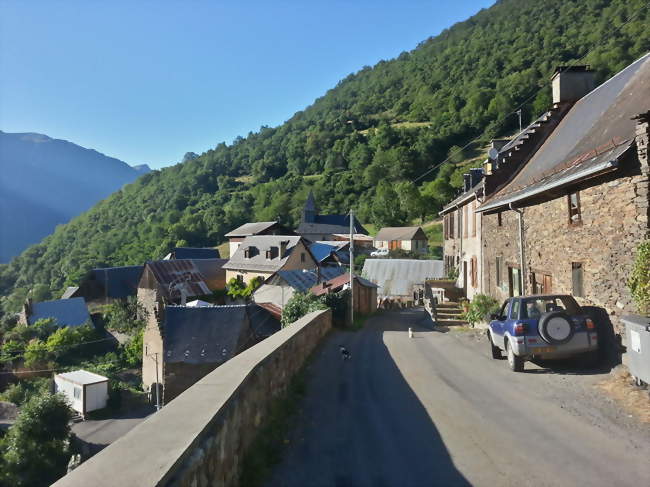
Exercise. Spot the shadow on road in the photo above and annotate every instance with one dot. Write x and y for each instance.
(360, 422)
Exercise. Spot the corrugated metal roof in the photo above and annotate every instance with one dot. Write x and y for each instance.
(69, 292)
(264, 319)
(396, 277)
(339, 282)
(67, 312)
(598, 122)
(174, 272)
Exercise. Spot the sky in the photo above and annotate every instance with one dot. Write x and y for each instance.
(148, 81)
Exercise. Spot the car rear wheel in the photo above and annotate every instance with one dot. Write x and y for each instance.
(496, 351)
(516, 363)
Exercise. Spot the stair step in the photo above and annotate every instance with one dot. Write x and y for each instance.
(451, 322)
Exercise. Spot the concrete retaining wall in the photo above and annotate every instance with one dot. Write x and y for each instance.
(200, 438)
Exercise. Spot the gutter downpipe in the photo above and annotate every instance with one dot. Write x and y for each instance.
(521, 247)
(460, 233)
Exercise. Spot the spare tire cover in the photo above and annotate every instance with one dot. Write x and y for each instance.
(556, 327)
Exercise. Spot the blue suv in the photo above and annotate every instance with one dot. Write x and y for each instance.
(541, 327)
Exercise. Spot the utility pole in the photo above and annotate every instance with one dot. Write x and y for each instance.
(351, 267)
(518, 112)
(157, 383)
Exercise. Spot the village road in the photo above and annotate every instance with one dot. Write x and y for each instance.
(436, 410)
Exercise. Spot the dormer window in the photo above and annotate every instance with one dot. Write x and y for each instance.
(272, 253)
(250, 252)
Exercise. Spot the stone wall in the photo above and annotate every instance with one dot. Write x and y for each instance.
(201, 437)
(614, 213)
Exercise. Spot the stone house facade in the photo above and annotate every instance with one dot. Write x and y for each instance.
(575, 210)
(411, 239)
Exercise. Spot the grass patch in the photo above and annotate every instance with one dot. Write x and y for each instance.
(224, 250)
(268, 446)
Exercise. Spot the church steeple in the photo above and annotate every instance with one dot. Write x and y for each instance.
(310, 211)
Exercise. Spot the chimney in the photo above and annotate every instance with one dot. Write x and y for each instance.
(283, 247)
(570, 83)
(466, 183)
(498, 143)
(475, 176)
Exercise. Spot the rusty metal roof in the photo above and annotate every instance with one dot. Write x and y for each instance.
(597, 130)
(172, 274)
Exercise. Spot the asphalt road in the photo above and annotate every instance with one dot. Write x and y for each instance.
(436, 410)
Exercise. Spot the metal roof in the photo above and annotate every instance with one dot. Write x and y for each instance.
(595, 131)
(118, 282)
(194, 253)
(82, 377)
(396, 277)
(67, 312)
(69, 292)
(264, 320)
(173, 272)
(339, 282)
(330, 224)
(400, 233)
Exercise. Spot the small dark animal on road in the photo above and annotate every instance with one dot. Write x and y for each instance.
(345, 353)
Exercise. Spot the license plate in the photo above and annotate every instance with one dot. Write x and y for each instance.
(545, 350)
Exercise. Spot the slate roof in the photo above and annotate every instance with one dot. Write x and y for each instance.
(401, 233)
(322, 251)
(258, 261)
(303, 281)
(464, 197)
(339, 282)
(255, 228)
(330, 224)
(194, 253)
(118, 282)
(69, 292)
(396, 277)
(203, 335)
(67, 312)
(590, 139)
(213, 334)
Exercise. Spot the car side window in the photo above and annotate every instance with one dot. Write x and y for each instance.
(514, 309)
(503, 314)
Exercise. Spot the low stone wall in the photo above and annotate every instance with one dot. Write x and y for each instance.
(200, 438)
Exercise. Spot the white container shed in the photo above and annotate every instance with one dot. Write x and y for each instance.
(84, 390)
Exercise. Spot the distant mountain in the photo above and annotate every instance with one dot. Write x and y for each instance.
(45, 182)
(142, 168)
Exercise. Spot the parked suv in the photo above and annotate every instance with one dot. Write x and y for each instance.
(541, 327)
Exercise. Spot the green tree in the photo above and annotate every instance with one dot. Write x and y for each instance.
(298, 306)
(132, 351)
(37, 354)
(36, 450)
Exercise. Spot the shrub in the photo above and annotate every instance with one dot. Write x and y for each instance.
(132, 350)
(35, 451)
(125, 316)
(299, 305)
(23, 391)
(639, 282)
(237, 289)
(480, 308)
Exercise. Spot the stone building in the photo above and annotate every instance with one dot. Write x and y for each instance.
(182, 344)
(567, 216)
(264, 255)
(237, 236)
(462, 236)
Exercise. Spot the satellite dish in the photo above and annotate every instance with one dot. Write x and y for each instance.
(493, 153)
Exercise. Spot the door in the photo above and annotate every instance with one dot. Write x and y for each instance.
(465, 278)
(548, 284)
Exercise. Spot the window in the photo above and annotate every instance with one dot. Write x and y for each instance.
(77, 393)
(541, 283)
(514, 312)
(302, 257)
(465, 221)
(473, 218)
(575, 215)
(499, 220)
(514, 281)
(499, 266)
(473, 268)
(577, 278)
(240, 278)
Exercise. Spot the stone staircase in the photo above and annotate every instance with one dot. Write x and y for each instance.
(449, 314)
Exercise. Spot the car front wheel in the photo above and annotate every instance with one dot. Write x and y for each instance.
(516, 363)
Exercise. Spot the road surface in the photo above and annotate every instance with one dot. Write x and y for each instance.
(436, 410)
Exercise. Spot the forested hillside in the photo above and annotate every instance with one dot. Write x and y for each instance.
(361, 145)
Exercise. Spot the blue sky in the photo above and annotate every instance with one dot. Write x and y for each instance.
(147, 81)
